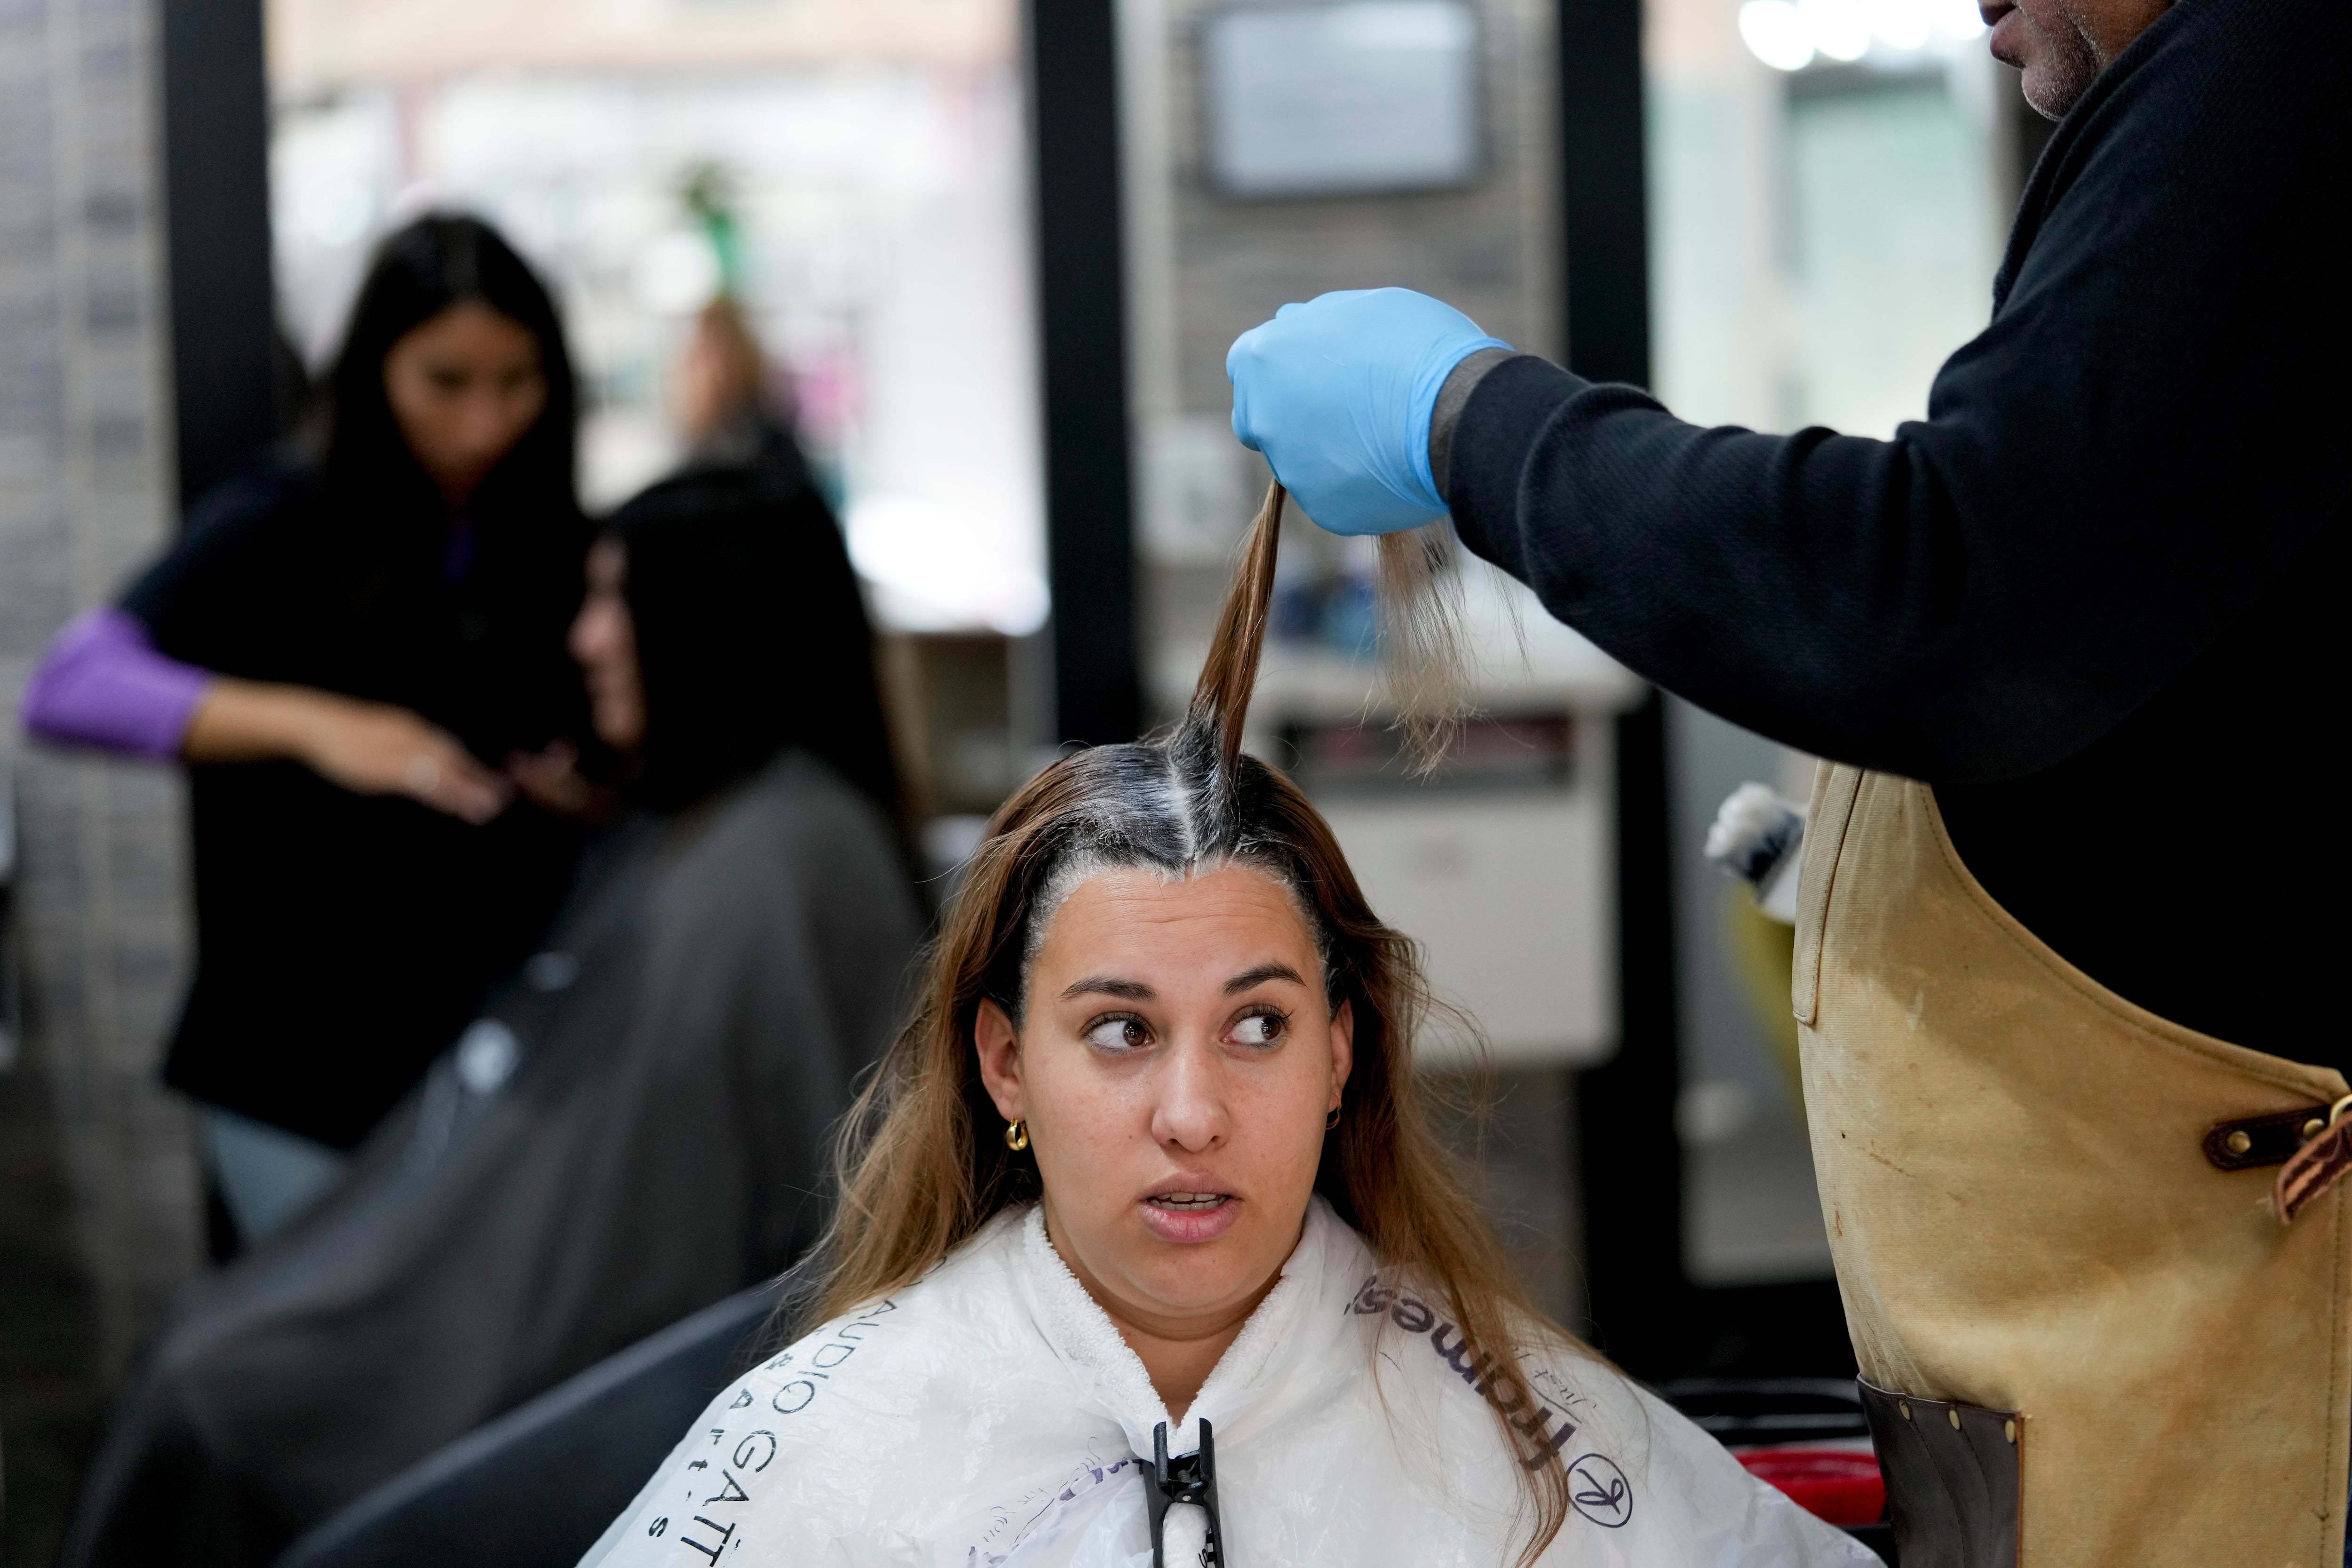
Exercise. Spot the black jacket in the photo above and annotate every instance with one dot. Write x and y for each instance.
(2093, 598)
(341, 941)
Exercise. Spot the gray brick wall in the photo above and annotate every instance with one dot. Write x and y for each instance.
(99, 1214)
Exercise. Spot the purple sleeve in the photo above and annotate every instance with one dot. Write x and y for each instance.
(101, 683)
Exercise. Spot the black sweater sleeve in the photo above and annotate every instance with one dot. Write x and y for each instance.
(2150, 430)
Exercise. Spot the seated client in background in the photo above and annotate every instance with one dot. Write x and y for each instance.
(1145, 1244)
(635, 1126)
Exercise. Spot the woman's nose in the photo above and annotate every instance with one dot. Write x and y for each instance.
(1191, 1109)
(489, 425)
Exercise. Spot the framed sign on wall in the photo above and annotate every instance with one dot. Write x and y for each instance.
(1345, 99)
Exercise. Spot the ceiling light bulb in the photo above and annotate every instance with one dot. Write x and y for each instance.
(1958, 18)
(1839, 28)
(1900, 24)
(1776, 34)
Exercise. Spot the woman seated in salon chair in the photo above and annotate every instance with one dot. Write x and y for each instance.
(1146, 1252)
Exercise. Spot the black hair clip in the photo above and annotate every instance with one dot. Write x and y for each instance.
(1193, 1479)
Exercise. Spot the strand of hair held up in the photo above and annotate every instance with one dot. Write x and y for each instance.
(1423, 678)
(1222, 698)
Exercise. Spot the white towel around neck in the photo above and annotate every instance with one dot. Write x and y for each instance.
(990, 1415)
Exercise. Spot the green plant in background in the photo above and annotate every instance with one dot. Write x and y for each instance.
(708, 194)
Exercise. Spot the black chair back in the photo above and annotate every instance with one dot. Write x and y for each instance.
(535, 1487)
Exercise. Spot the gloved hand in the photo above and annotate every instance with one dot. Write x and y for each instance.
(1338, 393)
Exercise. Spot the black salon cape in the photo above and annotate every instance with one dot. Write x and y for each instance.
(344, 940)
(2096, 598)
(687, 1038)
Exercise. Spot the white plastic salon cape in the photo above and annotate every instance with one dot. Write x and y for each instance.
(990, 1415)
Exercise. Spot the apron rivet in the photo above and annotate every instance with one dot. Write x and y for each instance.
(1955, 1416)
(2239, 1142)
(2313, 1128)
(2009, 1430)
(1904, 1405)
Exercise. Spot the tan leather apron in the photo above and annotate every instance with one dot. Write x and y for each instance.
(2040, 1262)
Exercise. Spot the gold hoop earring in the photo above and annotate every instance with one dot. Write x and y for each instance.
(1016, 1135)
(1332, 1120)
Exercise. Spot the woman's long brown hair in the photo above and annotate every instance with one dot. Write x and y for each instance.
(922, 1167)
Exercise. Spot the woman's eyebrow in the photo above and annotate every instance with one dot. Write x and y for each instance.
(1103, 985)
(1264, 972)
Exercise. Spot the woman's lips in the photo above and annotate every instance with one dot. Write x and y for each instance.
(1190, 1218)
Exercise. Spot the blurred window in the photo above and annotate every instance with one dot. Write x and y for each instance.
(1825, 216)
(852, 170)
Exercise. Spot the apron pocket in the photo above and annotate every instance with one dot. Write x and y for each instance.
(1952, 1478)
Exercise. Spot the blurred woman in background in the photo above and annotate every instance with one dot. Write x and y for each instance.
(347, 651)
(636, 1126)
(727, 410)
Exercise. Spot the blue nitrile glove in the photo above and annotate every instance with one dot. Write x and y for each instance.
(1338, 393)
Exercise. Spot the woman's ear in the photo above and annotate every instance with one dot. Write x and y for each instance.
(998, 1045)
(1343, 1048)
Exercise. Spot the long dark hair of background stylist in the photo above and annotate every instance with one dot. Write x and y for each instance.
(345, 937)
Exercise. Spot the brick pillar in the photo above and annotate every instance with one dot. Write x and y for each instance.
(101, 1219)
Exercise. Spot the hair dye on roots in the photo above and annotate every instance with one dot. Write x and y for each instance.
(921, 1166)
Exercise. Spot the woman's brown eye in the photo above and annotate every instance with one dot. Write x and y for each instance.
(1258, 1029)
(1118, 1034)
